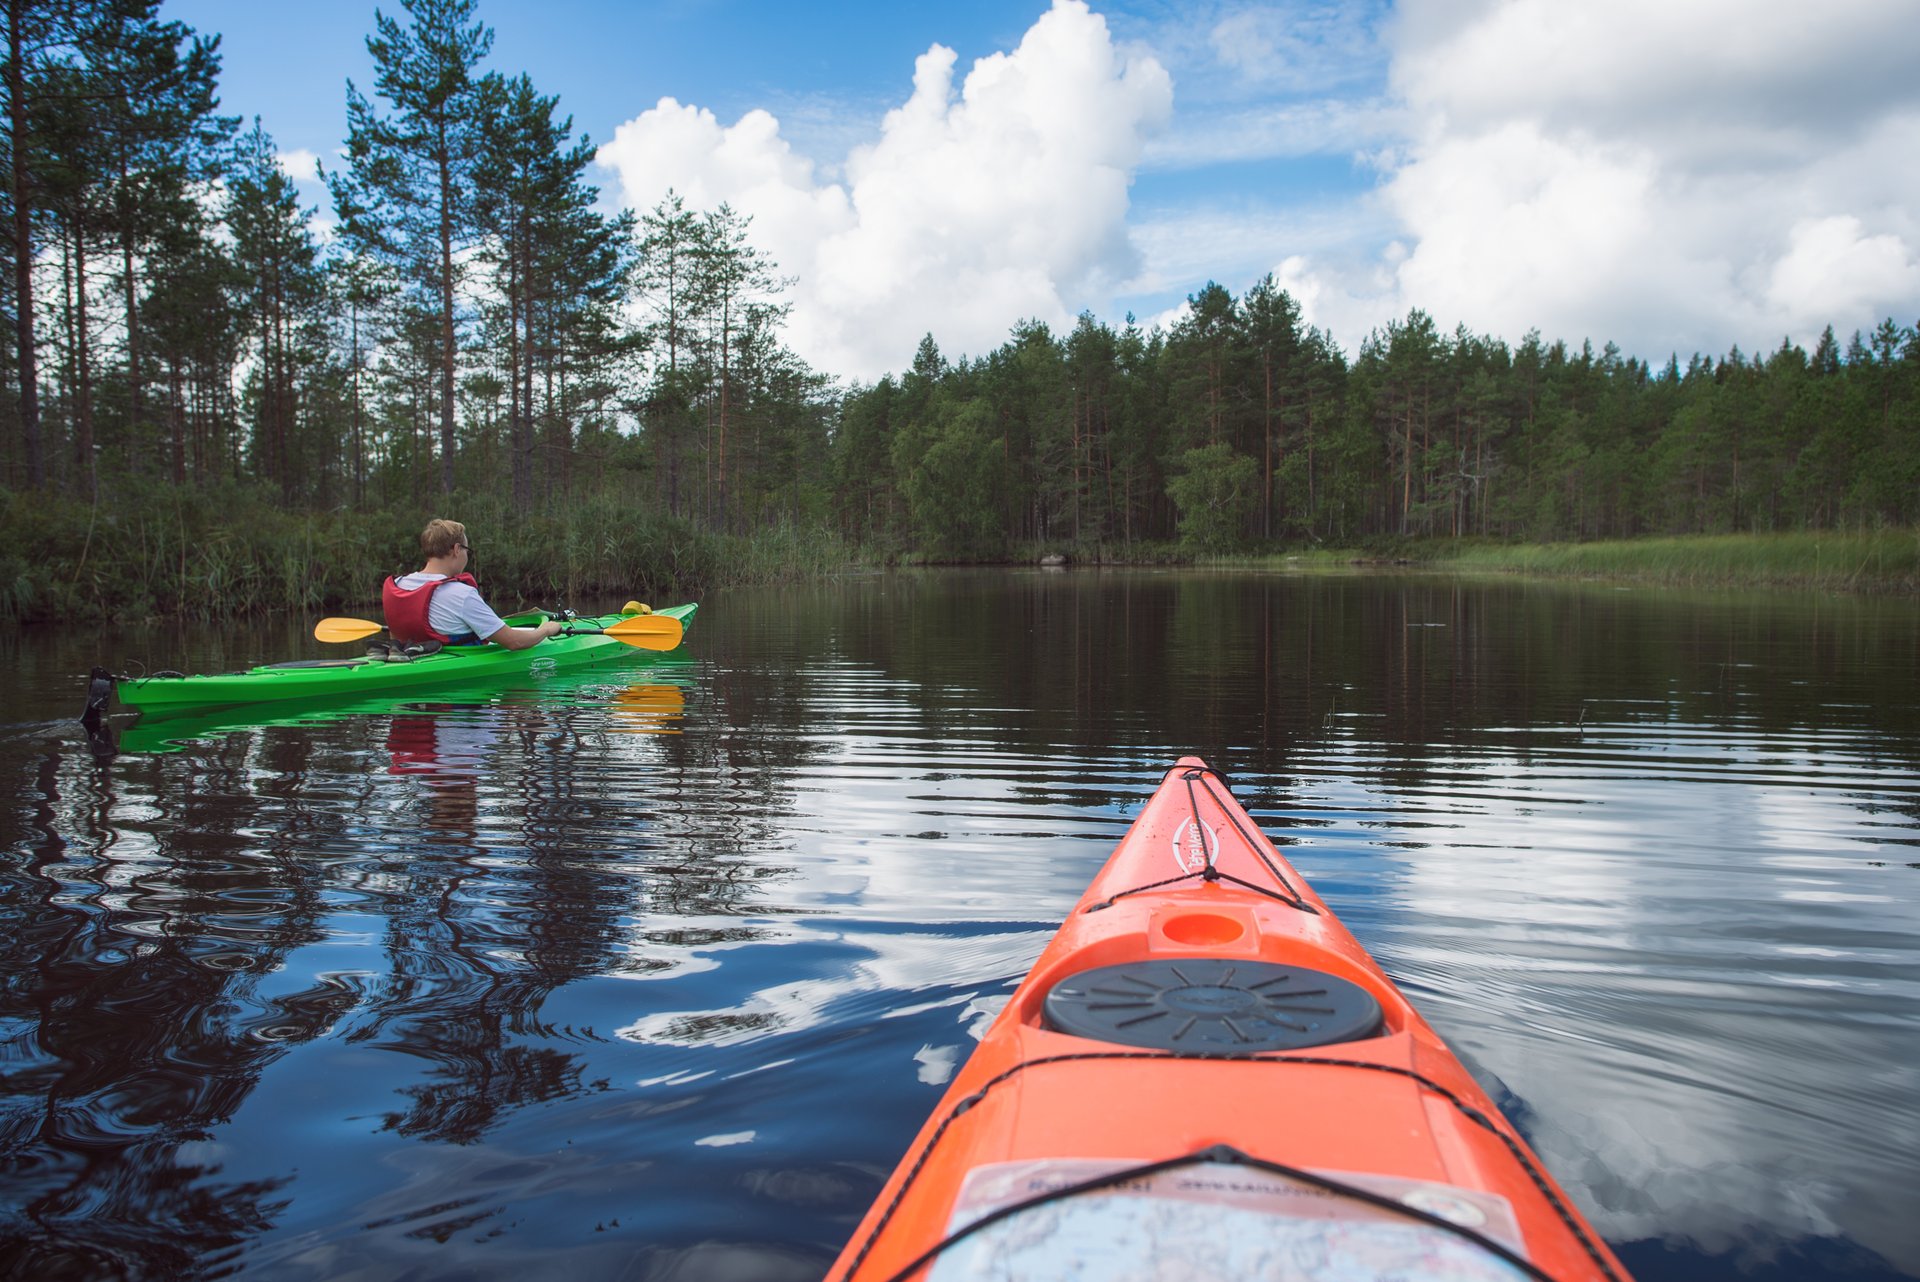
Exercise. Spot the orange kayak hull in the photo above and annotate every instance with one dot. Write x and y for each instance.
(1148, 1033)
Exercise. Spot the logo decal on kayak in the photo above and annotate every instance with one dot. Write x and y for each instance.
(1193, 843)
(541, 667)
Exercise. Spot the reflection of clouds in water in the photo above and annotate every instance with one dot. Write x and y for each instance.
(1813, 824)
(937, 1063)
(894, 963)
(1580, 938)
(889, 831)
(1521, 899)
(886, 832)
(725, 1141)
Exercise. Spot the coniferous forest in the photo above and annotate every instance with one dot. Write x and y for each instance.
(193, 365)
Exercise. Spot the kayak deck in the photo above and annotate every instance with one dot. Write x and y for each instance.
(353, 678)
(1205, 1066)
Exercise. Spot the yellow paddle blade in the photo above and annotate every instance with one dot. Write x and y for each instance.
(345, 629)
(648, 631)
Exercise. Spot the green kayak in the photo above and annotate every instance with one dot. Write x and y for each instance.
(648, 697)
(351, 679)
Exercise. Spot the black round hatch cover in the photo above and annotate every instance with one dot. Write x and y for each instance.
(1207, 1005)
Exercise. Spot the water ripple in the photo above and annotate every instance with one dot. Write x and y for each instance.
(651, 972)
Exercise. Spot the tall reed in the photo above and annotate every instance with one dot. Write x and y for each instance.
(208, 553)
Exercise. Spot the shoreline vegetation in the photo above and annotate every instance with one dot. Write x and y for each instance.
(1877, 562)
(202, 555)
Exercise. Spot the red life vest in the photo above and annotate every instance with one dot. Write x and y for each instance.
(407, 608)
(413, 745)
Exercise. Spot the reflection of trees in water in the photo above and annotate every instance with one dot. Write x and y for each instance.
(606, 847)
(133, 981)
(136, 981)
(476, 942)
(721, 1026)
(478, 1079)
(1278, 667)
(730, 796)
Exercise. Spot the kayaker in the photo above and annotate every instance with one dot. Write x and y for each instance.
(442, 602)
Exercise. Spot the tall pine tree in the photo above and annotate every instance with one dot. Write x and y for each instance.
(413, 170)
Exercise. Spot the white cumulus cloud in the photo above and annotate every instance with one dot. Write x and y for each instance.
(1002, 199)
(1672, 177)
(1832, 266)
(301, 165)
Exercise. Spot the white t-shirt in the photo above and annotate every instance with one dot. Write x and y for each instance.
(456, 608)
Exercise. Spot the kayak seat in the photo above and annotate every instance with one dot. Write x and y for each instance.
(1212, 1006)
(391, 652)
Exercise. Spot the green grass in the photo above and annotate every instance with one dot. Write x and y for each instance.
(1886, 560)
(1871, 560)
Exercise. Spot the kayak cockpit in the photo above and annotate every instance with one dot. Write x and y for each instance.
(313, 663)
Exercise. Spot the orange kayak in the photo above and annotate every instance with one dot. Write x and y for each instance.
(1206, 1076)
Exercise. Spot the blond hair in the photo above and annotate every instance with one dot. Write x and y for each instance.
(441, 537)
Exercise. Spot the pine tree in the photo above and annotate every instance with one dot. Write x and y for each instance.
(1202, 351)
(738, 289)
(671, 242)
(1272, 321)
(412, 173)
(163, 150)
(101, 99)
(42, 38)
(193, 331)
(279, 287)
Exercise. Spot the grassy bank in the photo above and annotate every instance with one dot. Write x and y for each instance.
(1885, 561)
(1867, 561)
(207, 554)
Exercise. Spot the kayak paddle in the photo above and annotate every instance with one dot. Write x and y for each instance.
(344, 629)
(646, 631)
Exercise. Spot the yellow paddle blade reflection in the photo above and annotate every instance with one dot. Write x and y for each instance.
(647, 709)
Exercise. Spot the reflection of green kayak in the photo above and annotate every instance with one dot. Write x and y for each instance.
(645, 698)
(349, 680)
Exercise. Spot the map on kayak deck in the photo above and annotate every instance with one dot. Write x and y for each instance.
(1216, 1221)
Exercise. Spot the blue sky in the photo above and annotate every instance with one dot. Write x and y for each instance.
(607, 61)
(1673, 178)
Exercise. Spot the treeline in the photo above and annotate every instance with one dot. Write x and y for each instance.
(474, 320)
(1241, 424)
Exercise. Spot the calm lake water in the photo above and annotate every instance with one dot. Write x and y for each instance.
(652, 972)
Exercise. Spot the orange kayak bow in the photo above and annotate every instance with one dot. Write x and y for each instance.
(1206, 1076)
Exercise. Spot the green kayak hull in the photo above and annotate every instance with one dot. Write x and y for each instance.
(348, 679)
(645, 697)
